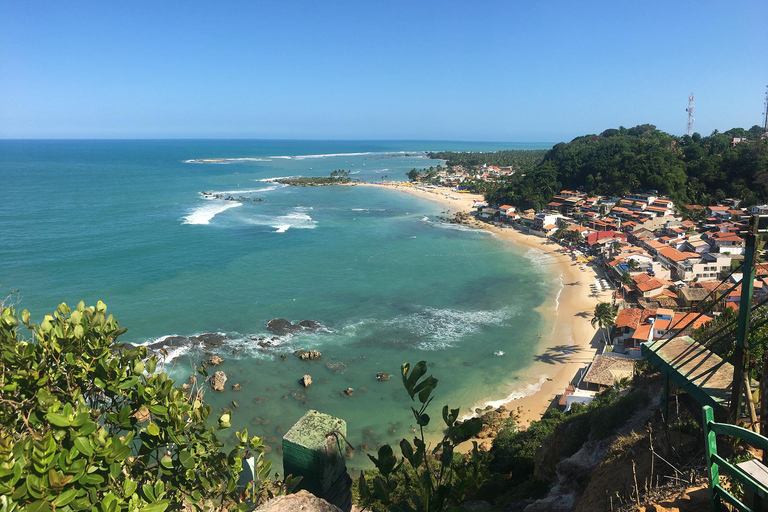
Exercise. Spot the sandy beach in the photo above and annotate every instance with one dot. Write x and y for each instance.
(573, 342)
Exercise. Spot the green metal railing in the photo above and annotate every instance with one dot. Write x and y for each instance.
(716, 463)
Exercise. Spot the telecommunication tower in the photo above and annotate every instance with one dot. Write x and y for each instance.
(689, 129)
(765, 122)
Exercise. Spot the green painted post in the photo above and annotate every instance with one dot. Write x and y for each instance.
(745, 307)
(315, 449)
(710, 447)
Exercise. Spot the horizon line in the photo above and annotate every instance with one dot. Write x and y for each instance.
(261, 139)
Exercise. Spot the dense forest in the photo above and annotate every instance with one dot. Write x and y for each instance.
(689, 169)
(513, 157)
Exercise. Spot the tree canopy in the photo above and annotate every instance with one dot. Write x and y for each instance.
(689, 169)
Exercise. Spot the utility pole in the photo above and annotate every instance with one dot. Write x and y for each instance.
(689, 129)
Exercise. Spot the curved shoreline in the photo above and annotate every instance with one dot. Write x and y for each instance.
(573, 341)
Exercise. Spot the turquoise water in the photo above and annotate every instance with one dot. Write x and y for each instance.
(125, 222)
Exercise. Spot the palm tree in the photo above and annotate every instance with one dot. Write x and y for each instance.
(626, 279)
(604, 317)
(633, 264)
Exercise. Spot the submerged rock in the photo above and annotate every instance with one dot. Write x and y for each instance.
(335, 367)
(218, 380)
(382, 376)
(237, 386)
(348, 392)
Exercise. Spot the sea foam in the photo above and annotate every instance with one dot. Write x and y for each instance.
(203, 214)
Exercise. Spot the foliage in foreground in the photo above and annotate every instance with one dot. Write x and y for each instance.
(86, 424)
(425, 480)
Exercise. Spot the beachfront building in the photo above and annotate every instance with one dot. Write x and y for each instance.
(545, 224)
(691, 266)
(635, 326)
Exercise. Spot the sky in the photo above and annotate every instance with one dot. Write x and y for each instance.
(365, 69)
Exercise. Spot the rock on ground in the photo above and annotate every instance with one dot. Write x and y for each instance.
(300, 501)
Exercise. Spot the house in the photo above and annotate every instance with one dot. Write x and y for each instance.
(692, 296)
(605, 370)
(725, 242)
(690, 266)
(506, 209)
(543, 221)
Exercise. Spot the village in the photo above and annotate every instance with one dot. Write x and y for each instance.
(661, 264)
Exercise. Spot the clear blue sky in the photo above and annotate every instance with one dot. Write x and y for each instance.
(461, 70)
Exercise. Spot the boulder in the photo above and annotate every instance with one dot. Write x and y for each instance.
(235, 405)
(306, 381)
(209, 339)
(348, 392)
(215, 360)
(308, 355)
(237, 386)
(218, 380)
(311, 325)
(301, 500)
(382, 376)
(281, 327)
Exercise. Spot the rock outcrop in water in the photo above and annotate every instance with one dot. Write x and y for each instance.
(311, 355)
(218, 381)
(283, 327)
(306, 381)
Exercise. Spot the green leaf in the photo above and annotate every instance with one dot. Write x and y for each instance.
(82, 444)
(153, 429)
(130, 487)
(25, 316)
(224, 420)
(57, 419)
(159, 506)
(166, 462)
(65, 497)
(186, 459)
(149, 492)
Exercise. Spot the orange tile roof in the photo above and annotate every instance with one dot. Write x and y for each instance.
(642, 332)
(682, 319)
(651, 284)
(675, 255)
(628, 317)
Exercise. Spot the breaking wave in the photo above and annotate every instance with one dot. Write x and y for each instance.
(203, 214)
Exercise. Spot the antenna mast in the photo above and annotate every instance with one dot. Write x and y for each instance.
(765, 122)
(689, 129)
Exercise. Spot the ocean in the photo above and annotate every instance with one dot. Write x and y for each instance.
(141, 226)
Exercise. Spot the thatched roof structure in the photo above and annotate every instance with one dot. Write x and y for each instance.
(607, 369)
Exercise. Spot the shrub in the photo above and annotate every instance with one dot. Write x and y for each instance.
(87, 424)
